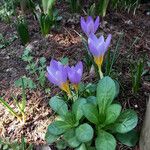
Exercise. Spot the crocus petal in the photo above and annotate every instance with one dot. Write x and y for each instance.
(75, 73)
(97, 46)
(64, 74)
(53, 65)
(52, 78)
(56, 73)
(93, 49)
(79, 68)
(83, 25)
(93, 43)
(89, 19)
(96, 24)
(89, 26)
(107, 43)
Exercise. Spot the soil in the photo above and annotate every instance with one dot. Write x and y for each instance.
(65, 42)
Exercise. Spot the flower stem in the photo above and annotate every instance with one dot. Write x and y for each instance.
(100, 72)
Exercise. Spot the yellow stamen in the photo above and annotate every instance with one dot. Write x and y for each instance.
(76, 87)
(99, 60)
(65, 87)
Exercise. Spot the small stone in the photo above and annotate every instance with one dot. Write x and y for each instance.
(29, 46)
(9, 69)
(148, 13)
(129, 22)
(7, 57)
(136, 106)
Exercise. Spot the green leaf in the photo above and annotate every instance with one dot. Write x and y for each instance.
(22, 30)
(23, 143)
(28, 83)
(71, 138)
(58, 127)
(105, 141)
(61, 144)
(90, 88)
(50, 138)
(112, 113)
(58, 105)
(70, 118)
(77, 108)
(84, 132)
(91, 113)
(5, 147)
(42, 60)
(92, 100)
(106, 91)
(126, 121)
(81, 147)
(129, 139)
(64, 60)
(6, 105)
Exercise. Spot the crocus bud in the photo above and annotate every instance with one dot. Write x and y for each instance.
(89, 26)
(57, 74)
(75, 74)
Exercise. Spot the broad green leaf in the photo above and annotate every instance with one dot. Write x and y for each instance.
(112, 113)
(58, 127)
(77, 107)
(70, 118)
(126, 121)
(71, 138)
(92, 100)
(91, 113)
(58, 105)
(84, 132)
(106, 91)
(50, 138)
(81, 147)
(61, 144)
(129, 139)
(105, 141)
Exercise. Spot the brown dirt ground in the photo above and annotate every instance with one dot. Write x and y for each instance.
(65, 42)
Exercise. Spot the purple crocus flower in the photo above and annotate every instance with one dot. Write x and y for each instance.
(75, 74)
(57, 74)
(98, 47)
(89, 26)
